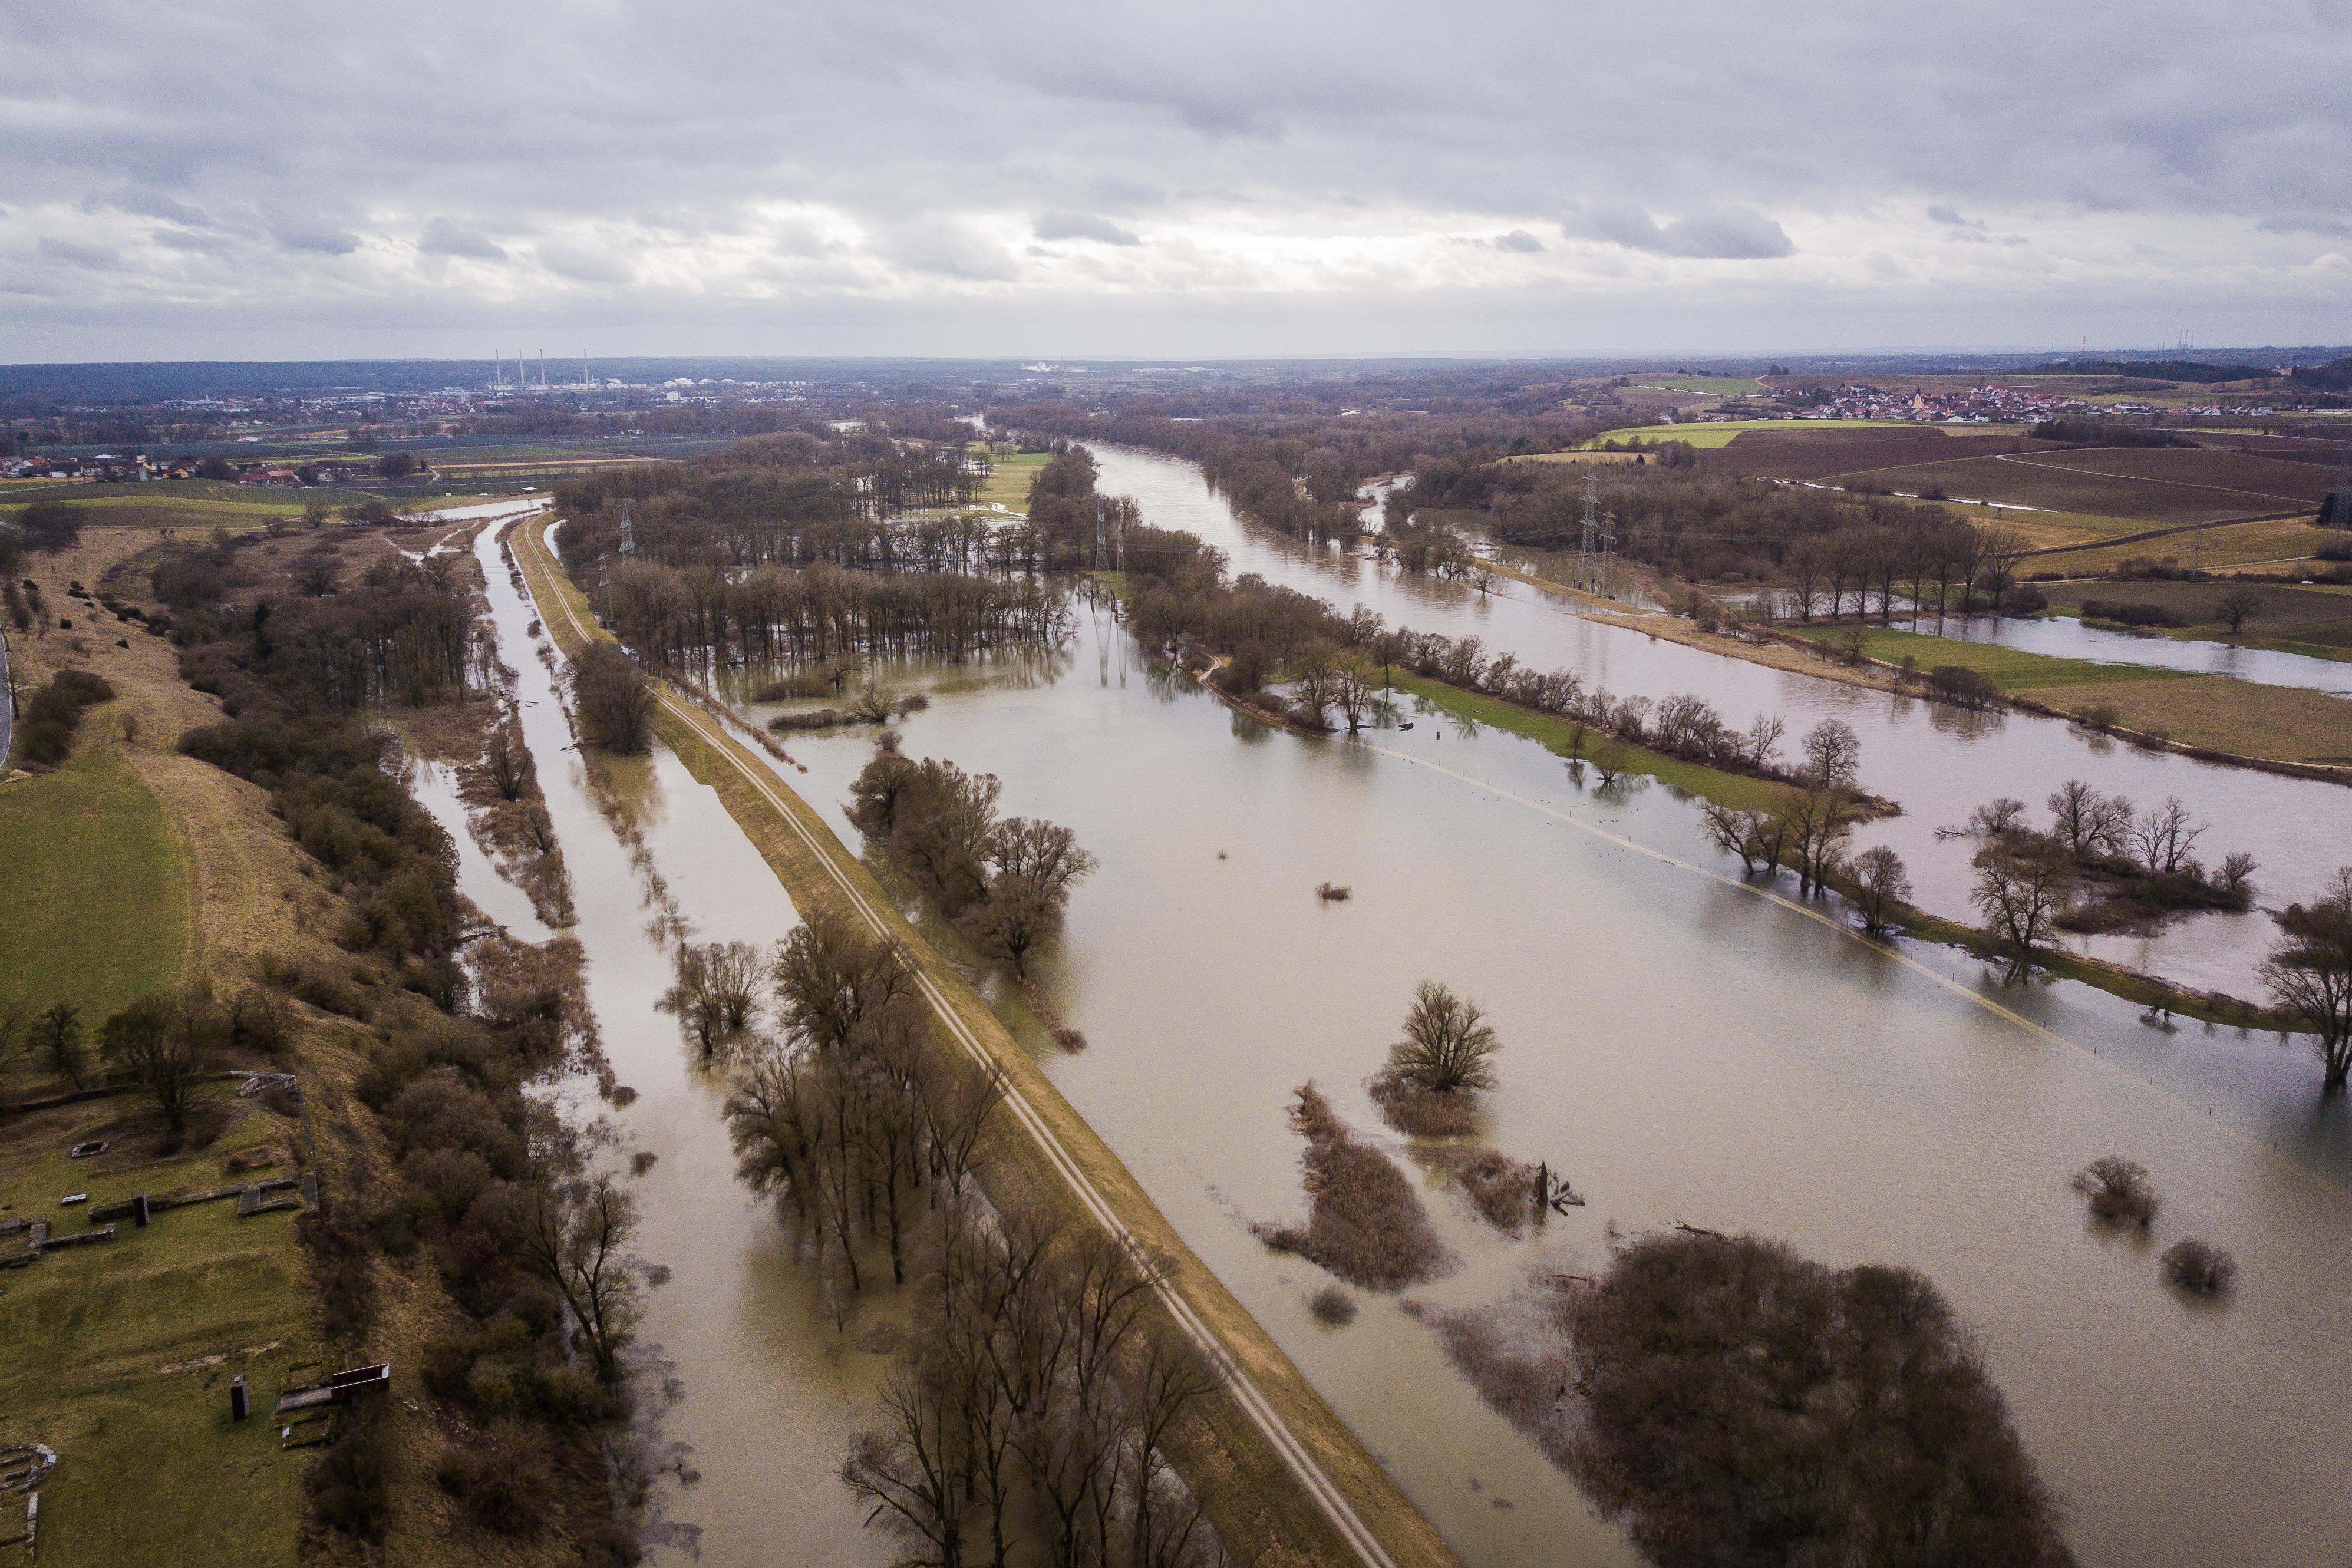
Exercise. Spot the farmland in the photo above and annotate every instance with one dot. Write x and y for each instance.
(1721, 433)
(1714, 386)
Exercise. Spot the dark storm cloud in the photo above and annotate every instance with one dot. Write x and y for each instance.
(880, 172)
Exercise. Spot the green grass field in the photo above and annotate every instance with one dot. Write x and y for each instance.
(1734, 790)
(106, 1353)
(94, 888)
(2006, 668)
(1009, 480)
(1719, 386)
(1720, 432)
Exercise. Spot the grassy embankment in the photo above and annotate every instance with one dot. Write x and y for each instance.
(94, 885)
(1258, 1504)
(1557, 736)
(1740, 792)
(2219, 715)
(118, 1355)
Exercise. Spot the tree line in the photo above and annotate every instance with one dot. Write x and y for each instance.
(1036, 1408)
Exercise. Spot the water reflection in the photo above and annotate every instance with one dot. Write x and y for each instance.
(1682, 1049)
(1929, 757)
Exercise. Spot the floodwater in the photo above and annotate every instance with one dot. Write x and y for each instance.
(2065, 637)
(772, 1392)
(1680, 1047)
(1938, 762)
(1684, 1051)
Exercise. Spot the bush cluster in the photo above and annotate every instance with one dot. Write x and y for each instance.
(49, 716)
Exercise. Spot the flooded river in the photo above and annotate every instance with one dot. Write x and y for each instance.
(2067, 637)
(1938, 761)
(1681, 1047)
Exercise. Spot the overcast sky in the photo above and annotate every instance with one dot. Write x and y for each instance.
(212, 179)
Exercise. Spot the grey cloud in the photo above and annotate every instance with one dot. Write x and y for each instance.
(664, 128)
(1082, 226)
(321, 240)
(1518, 240)
(88, 257)
(2297, 224)
(583, 264)
(1722, 234)
(443, 237)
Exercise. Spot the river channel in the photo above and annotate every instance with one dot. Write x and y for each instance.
(1681, 1047)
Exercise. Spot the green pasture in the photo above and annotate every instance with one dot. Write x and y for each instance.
(2006, 668)
(94, 886)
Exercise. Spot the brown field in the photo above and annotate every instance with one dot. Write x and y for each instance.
(1812, 451)
(2280, 723)
(2266, 542)
(2105, 483)
(2257, 477)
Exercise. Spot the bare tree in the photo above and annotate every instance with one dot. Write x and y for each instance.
(2074, 815)
(576, 1238)
(716, 992)
(1832, 755)
(2164, 837)
(1761, 740)
(166, 1044)
(1814, 825)
(1356, 690)
(1735, 833)
(913, 1468)
(615, 701)
(1447, 1045)
(2309, 974)
(17, 1043)
(1881, 886)
(2019, 889)
(56, 1034)
(2237, 607)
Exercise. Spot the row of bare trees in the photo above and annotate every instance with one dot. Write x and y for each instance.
(1034, 1411)
(1944, 564)
(700, 615)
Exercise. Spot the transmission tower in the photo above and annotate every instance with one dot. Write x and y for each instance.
(1586, 561)
(1608, 555)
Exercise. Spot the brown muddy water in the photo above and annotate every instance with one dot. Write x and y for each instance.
(1680, 1047)
(1937, 761)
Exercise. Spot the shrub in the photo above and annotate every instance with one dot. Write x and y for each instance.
(1332, 892)
(2198, 1266)
(1959, 685)
(52, 713)
(1364, 1221)
(2119, 1190)
(1332, 1307)
(349, 1486)
(2129, 614)
(1725, 1381)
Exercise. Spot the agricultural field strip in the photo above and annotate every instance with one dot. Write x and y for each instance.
(2024, 461)
(1270, 1424)
(1887, 949)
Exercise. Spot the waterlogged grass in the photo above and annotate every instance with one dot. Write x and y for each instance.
(1557, 736)
(94, 888)
(2007, 668)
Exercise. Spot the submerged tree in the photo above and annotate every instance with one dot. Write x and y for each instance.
(1448, 1045)
(2309, 974)
(1881, 886)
